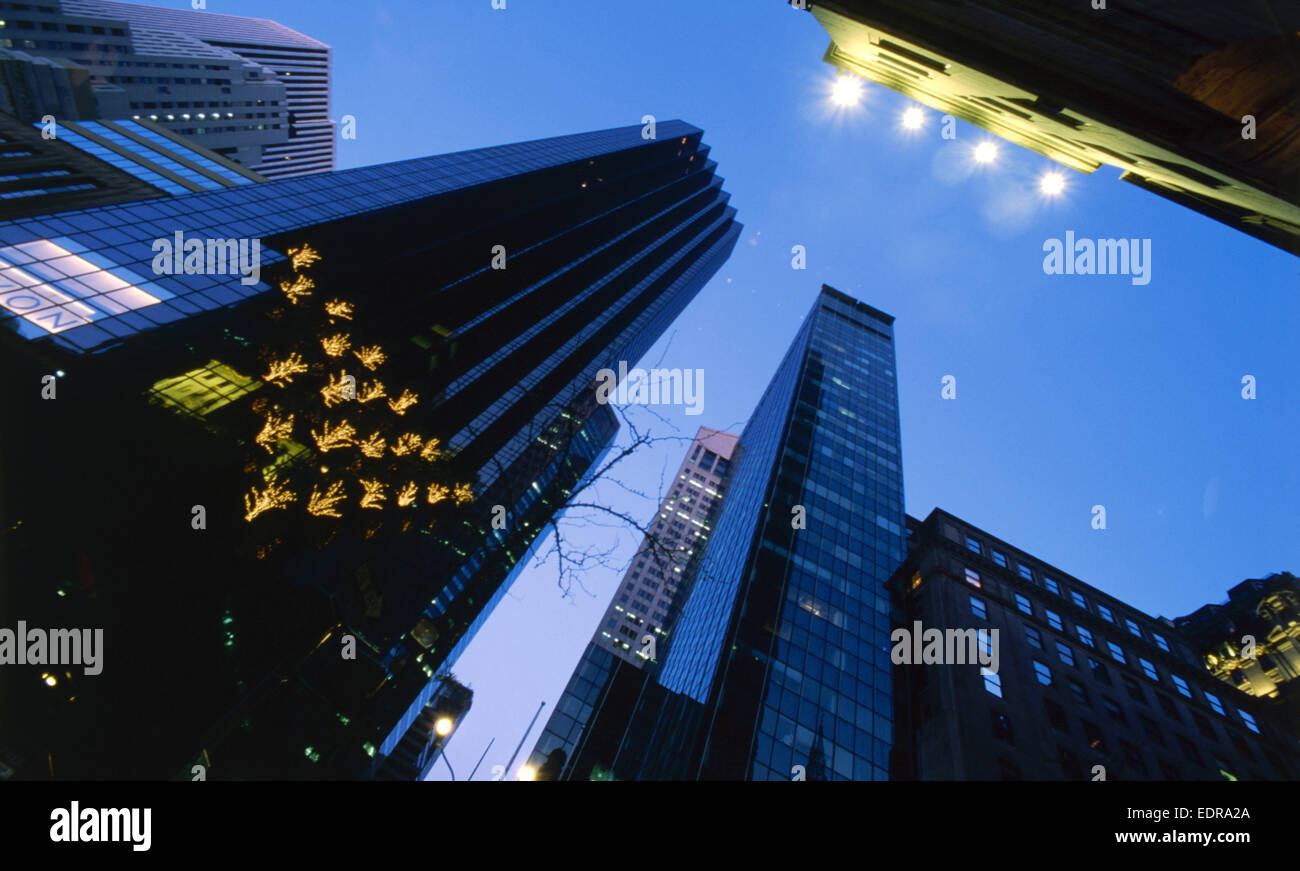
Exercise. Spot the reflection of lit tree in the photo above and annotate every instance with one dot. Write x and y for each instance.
(338, 455)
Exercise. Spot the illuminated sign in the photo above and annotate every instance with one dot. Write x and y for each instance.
(49, 284)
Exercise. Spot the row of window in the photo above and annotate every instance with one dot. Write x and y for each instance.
(70, 28)
(1078, 598)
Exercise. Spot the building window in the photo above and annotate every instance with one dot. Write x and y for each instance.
(1249, 721)
(1152, 730)
(1204, 727)
(1240, 744)
(1133, 628)
(1032, 636)
(1084, 635)
(1131, 687)
(978, 609)
(1160, 642)
(992, 682)
(1043, 673)
(1105, 613)
(1099, 672)
(1056, 715)
(1181, 685)
(1216, 705)
(1000, 559)
(1054, 620)
(1066, 654)
(1002, 727)
(1149, 669)
(1133, 758)
(1170, 709)
(1051, 585)
(1112, 707)
(1078, 690)
(1092, 734)
(1025, 572)
(973, 544)
(1079, 599)
(973, 577)
(1116, 651)
(1222, 765)
(1024, 606)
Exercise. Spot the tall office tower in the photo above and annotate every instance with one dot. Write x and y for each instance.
(779, 664)
(1194, 101)
(496, 284)
(250, 89)
(1079, 679)
(644, 606)
(1252, 641)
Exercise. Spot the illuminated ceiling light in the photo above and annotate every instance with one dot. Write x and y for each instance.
(528, 773)
(912, 118)
(986, 152)
(847, 91)
(50, 680)
(1052, 183)
(444, 726)
(153, 117)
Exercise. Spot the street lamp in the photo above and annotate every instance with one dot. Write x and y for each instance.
(527, 772)
(443, 727)
(847, 91)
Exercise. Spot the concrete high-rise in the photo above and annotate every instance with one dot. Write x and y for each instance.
(1074, 685)
(249, 89)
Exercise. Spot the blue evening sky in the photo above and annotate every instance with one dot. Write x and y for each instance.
(1072, 391)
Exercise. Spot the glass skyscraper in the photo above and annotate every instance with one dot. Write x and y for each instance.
(779, 667)
(499, 280)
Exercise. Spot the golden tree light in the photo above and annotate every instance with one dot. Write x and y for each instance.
(276, 495)
(430, 450)
(374, 446)
(407, 443)
(340, 436)
(322, 504)
(337, 392)
(437, 493)
(406, 496)
(374, 496)
(403, 402)
(282, 371)
(463, 494)
(370, 356)
(302, 257)
(372, 390)
(300, 286)
(336, 345)
(337, 308)
(273, 430)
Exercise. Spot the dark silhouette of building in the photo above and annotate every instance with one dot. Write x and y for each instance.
(1085, 687)
(498, 282)
(1197, 101)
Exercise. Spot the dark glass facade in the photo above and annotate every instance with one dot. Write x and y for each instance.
(778, 666)
(604, 239)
